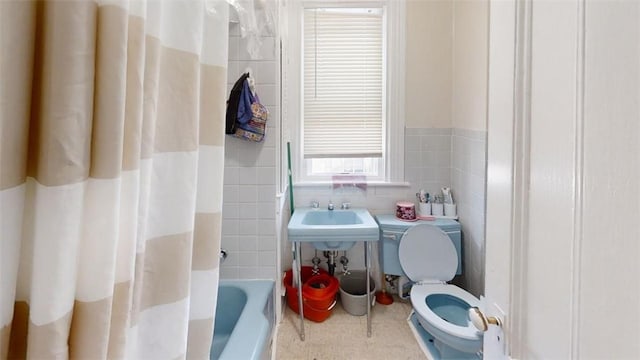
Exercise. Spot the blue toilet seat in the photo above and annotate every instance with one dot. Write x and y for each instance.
(429, 258)
(419, 294)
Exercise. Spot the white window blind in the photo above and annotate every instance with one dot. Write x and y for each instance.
(343, 83)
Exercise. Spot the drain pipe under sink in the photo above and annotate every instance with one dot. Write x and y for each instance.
(331, 262)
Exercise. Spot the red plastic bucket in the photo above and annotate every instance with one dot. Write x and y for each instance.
(318, 293)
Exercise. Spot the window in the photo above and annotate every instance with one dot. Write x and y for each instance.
(343, 83)
(348, 101)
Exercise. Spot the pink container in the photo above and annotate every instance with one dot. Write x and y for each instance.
(406, 211)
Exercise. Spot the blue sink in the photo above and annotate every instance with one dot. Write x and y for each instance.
(332, 229)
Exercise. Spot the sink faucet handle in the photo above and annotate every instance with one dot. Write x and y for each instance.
(330, 206)
(315, 204)
(345, 205)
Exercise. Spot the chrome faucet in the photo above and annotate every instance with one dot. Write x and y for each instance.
(345, 205)
(330, 206)
(315, 204)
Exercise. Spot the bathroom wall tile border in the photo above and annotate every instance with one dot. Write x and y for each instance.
(470, 133)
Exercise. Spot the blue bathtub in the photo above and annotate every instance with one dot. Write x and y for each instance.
(245, 319)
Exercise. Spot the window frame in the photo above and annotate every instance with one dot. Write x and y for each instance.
(392, 161)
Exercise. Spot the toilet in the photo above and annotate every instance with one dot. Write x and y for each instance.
(428, 257)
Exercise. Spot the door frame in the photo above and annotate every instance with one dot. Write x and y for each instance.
(509, 164)
(508, 140)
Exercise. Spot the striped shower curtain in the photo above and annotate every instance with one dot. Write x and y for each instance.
(111, 158)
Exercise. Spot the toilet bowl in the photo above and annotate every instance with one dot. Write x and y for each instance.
(429, 259)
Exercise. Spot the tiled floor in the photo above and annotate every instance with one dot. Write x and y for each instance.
(343, 336)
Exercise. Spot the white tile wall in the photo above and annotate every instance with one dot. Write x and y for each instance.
(468, 170)
(434, 158)
(377, 199)
(248, 225)
(427, 166)
(427, 159)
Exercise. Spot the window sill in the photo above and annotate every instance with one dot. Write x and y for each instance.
(369, 183)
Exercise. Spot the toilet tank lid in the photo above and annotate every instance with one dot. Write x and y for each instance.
(426, 254)
(391, 223)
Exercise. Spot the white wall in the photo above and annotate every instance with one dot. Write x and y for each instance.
(428, 64)
(470, 56)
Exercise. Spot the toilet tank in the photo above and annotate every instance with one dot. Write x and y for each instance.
(391, 231)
